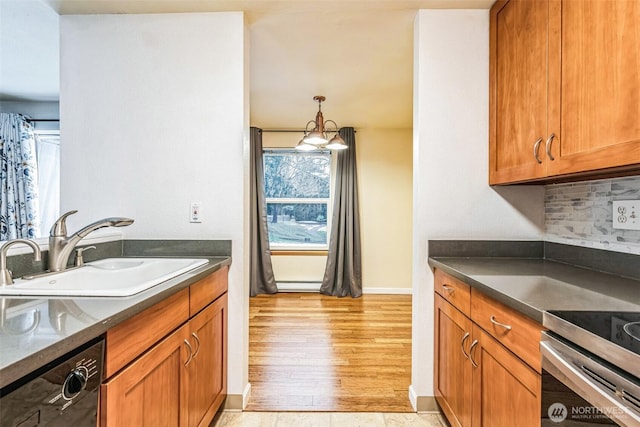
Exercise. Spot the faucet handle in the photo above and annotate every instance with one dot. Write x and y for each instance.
(59, 228)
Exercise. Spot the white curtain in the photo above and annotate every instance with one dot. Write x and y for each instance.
(19, 209)
(48, 152)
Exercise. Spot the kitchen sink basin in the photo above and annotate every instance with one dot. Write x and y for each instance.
(111, 277)
(116, 263)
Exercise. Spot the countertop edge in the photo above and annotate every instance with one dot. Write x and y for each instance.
(35, 361)
(531, 312)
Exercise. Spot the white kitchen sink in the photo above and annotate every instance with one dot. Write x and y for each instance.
(111, 277)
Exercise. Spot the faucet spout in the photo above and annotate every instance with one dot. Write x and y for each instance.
(61, 246)
(106, 222)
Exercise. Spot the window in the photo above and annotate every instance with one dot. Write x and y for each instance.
(298, 195)
(48, 157)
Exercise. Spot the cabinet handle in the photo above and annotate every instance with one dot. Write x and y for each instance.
(464, 338)
(449, 289)
(195, 337)
(471, 347)
(548, 146)
(502, 325)
(536, 148)
(190, 353)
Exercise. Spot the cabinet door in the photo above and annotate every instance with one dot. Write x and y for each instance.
(151, 391)
(208, 368)
(518, 90)
(452, 375)
(599, 108)
(506, 391)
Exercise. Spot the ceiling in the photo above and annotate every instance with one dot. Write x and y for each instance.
(357, 53)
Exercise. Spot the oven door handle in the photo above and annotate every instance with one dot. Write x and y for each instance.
(558, 366)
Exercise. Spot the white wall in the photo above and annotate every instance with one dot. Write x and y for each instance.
(385, 197)
(452, 199)
(154, 113)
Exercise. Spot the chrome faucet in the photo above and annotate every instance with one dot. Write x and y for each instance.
(5, 274)
(61, 246)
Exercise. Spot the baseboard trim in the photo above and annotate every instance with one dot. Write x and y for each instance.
(395, 291)
(422, 403)
(237, 402)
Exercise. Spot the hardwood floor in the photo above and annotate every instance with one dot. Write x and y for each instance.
(310, 352)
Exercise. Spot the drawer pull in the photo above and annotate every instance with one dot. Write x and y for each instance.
(548, 146)
(464, 338)
(449, 289)
(502, 325)
(536, 148)
(473, 344)
(190, 358)
(195, 337)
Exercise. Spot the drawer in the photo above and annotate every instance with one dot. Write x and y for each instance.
(132, 337)
(515, 331)
(453, 290)
(207, 290)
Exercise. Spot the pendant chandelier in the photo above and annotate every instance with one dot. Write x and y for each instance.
(317, 137)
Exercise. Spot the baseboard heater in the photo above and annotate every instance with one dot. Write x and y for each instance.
(298, 286)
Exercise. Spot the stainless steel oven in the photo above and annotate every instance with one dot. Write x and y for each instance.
(591, 368)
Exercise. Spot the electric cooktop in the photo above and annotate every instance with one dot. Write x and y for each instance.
(613, 336)
(621, 328)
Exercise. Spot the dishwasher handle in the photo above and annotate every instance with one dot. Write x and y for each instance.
(565, 370)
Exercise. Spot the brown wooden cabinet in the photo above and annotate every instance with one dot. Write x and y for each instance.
(519, 99)
(564, 89)
(506, 391)
(151, 391)
(482, 376)
(208, 366)
(452, 380)
(178, 380)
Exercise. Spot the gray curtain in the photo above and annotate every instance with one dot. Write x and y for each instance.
(262, 280)
(343, 273)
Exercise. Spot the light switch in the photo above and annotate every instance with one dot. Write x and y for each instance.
(195, 213)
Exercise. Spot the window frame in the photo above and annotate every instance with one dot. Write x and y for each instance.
(303, 247)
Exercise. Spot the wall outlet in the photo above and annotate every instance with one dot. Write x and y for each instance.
(195, 213)
(626, 214)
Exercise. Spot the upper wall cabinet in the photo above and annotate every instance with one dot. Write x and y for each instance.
(519, 99)
(564, 89)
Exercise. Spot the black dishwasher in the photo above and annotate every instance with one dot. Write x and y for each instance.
(61, 393)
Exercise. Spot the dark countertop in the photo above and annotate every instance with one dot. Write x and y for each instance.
(534, 285)
(66, 323)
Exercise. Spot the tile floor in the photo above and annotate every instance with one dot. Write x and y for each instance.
(327, 419)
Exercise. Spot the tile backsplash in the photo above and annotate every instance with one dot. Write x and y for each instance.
(581, 214)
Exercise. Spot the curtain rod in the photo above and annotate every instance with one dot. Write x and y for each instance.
(43, 120)
(288, 130)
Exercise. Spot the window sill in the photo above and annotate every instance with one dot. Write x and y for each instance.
(299, 252)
